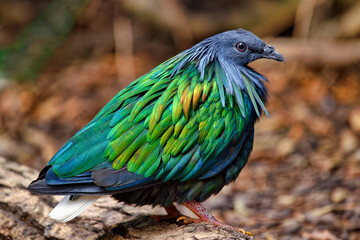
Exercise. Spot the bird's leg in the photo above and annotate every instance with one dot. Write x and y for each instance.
(172, 213)
(205, 216)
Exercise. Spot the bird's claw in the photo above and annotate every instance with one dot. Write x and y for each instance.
(187, 220)
(237, 229)
(241, 230)
(181, 218)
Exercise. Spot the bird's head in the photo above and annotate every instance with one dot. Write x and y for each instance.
(235, 48)
(242, 47)
(227, 55)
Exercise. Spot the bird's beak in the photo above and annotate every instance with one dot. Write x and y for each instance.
(270, 53)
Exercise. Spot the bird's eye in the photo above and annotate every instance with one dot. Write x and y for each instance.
(241, 46)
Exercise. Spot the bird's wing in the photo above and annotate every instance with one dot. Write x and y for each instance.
(162, 127)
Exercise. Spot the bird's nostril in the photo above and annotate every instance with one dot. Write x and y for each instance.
(269, 49)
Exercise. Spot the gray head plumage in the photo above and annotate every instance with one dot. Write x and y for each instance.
(229, 54)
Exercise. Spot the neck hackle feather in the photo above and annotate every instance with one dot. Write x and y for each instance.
(231, 79)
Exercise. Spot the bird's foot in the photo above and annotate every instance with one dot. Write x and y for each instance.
(205, 216)
(189, 220)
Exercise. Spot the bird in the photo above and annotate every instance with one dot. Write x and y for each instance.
(178, 134)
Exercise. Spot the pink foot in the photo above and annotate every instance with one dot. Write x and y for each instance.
(205, 216)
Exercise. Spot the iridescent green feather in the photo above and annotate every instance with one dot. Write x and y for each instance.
(171, 125)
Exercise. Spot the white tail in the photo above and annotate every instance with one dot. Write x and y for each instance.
(71, 206)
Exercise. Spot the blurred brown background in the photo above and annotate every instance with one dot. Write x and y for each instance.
(61, 61)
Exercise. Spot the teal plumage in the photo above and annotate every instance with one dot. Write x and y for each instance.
(177, 134)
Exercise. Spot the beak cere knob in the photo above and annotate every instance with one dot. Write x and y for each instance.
(270, 53)
(269, 49)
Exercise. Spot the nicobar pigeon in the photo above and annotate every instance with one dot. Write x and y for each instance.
(178, 134)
